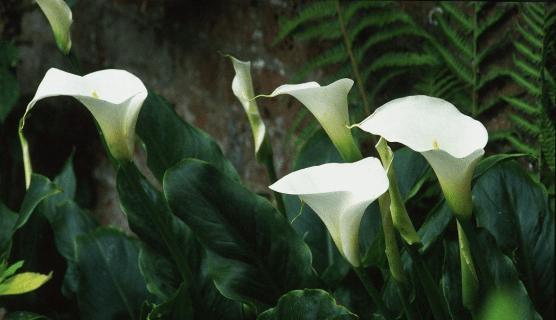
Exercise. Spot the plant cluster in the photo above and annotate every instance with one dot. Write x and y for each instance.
(431, 230)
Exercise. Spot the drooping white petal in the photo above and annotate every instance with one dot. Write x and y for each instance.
(242, 86)
(60, 18)
(451, 141)
(114, 98)
(339, 193)
(330, 106)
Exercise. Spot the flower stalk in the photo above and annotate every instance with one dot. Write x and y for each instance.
(242, 86)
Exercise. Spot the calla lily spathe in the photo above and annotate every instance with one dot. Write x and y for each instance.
(59, 16)
(242, 86)
(339, 193)
(451, 142)
(114, 97)
(329, 104)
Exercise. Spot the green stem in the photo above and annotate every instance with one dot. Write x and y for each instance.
(354, 67)
(469, 280)
(266, 157)
(480, 264)
(410, 312)
(390, 242)
(436, 301)
(373, 293)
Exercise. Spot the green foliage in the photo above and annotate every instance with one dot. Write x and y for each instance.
(308, 304)
(254, 254)
(468, 41)
(110, 284)
(523, 226)
(532, 105)
(370, 27)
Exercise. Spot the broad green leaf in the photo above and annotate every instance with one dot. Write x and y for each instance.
(23, 283)
(7, 271)
(514, 209)
(491, 161)
(111, 285)
(411, 170)
(450, 281)
(8, 219)
(434, 226)
(178, 307)
(505, 275)
(170, 255)
(40, 189)
(168, 139)
(326, 259)
(9, 93)
(254, 254)
(308, 304)
(68, 221)
(151, 219)
(23, 315)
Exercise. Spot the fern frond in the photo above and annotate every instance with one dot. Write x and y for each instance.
(493, 19)
(492, 75)
(529, 37)
(527, 69)
(384, 35)
(455, 39)
(484, 54)
(534, 14)
(323, 30)
(314, 11)
(521, 105)
(379, 21)
(548, 142)
(458, 15)
(353, 7)
(517, 143)
(526, 84)
(456, 66)
(524, 124)
(522, 146)
(526, 51)
(401, 59)
(331, 56)
(530, 22)
(489, 104)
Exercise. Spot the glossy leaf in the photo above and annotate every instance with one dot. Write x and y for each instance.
(254, 254)
(515, 210)
(23, 283)
(411, 171)
(308, 304)
(168, 139)
(178, 307)
(170, 255)
(8, 219)
(40, 189)
(111, 285)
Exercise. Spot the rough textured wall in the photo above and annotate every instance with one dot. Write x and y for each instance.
(173, 46)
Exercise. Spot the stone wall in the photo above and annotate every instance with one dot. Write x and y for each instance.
(174, 47)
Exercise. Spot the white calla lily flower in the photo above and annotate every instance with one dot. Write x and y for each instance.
(452, 142)
(329, 105)
(114, 97)
(339, 193)
(59, 16)
(242, 86)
